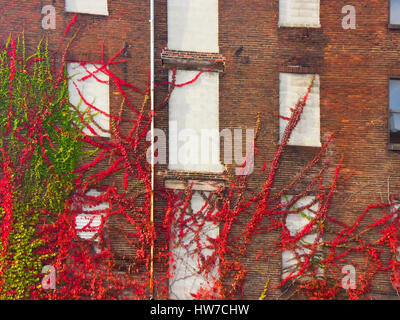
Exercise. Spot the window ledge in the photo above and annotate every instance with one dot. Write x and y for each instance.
(298, 26)
(319, 145)
(185, 175)
(394, 146)
(189, 60)
(394, 26)
(197, 185)
(201, 181)
(100, 13)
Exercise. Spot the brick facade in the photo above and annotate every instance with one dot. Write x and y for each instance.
(354, 68)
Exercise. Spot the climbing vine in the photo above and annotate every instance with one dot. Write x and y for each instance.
(49, 167)
(37, 161)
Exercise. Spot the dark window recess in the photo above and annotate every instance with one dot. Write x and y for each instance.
(394, 12)
(394, 111)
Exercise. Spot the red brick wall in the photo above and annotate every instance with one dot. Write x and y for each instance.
(354, 67)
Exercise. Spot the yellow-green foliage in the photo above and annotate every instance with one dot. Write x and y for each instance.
(39, 184)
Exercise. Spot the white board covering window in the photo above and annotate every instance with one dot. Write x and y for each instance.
(295, 223)
(186, 278)
(394, 11)
(193, 25)
(95, 91)
(293, 87)
(97, 7)
(89, 221)
(299, 13)
(194, 123)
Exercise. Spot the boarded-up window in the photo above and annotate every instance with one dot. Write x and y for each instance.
(89, 221)
(394, 111)
(95, 91)
(194, 123)
(98, 7)
(193, 25)
(299, 13)
(295, 223)
(188, 254)
(292, 88)
(394, 11)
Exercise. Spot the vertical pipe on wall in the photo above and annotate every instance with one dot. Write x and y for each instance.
(151, 282)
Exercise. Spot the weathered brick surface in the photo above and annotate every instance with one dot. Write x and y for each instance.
(354, 68)
(189, 60)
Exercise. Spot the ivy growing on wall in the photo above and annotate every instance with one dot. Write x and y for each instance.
(48, 165)
(37, 160)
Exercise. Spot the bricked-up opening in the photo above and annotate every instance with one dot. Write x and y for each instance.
(295, 223)
(299, 13)
(186, 277)
(293, 87)
(193, 25)
(96, 7)
(394, 112)
(394, 13)
(95, 91)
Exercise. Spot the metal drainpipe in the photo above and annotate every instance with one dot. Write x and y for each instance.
(152, 144)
